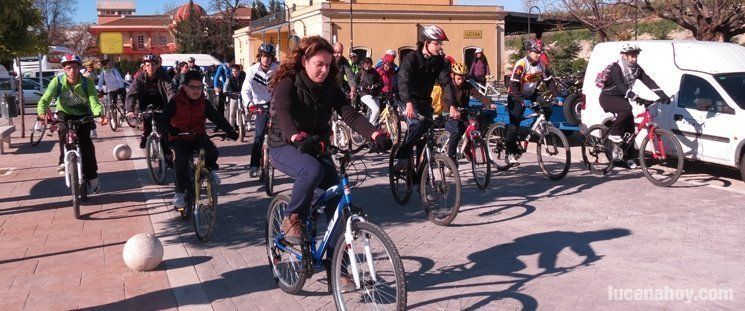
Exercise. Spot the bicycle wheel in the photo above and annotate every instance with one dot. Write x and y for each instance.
(269, 171)
(205, 207)
(156, 162)
(241, 125)
(496, 145)
(662, 162)
(132, 121)
(440, 193)
(553, 153)
(379, 270)
(113, 119)
(37, 132)
(401, 182)
(72, 170)
(596, 150)
(480, 164)
(392, 125)
(286, 267)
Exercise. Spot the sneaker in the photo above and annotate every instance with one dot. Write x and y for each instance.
(143, 142)
(61, 169)
(631, 164)
(215, 178)
(93, 186)
(430, 197)
(401, 165)
(347, 284)
(254, 172)
(291, 226)
(94, 134)
(512, 160)
(615, 138)
(179, 200)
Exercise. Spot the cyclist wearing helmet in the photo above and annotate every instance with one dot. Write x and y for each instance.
(419, 72)
(455, 124)
(354, 63)
(255, 91)
(151, 88)
(617, 92)
(527, 75)
(76, 98)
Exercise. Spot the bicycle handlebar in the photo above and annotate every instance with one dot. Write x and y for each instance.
(334, 150)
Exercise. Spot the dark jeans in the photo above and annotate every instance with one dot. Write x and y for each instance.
(256, 148)
(456, 128)
(624, 122)
(416, 129)
(87, 149)
(515, 111)
(119, 94)
(182, 149)
(221, 104)
(309, 173)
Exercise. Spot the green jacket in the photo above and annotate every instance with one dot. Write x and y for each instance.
(73, 100)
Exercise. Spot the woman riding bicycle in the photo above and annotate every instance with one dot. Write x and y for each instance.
(417, 76)
(187, 113)
(76, 98)
(455, 125)
(527, 75)
(369, 84)
(617, 92)
(256, 91)
(305, 94)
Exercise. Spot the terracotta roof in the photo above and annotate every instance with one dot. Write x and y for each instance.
(243, 12)
(185, 10)
(141, 20)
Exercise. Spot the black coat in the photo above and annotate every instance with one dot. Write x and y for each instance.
(137, 90)
(300, 105)
(369, 82)
(417, 76)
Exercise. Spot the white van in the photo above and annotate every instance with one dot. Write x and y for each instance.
(201, 60)
(706, 82)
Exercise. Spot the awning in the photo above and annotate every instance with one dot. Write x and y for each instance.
(516, 23)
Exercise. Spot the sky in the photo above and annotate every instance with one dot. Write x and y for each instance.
(86, 9)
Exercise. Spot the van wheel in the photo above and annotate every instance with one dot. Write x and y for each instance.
(572, 109)
(742, 166)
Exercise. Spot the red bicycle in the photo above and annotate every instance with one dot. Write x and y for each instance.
(472, 146)
(660, 154)
(41, 125)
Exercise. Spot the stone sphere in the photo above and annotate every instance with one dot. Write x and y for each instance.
(122, 152)
(142, 252)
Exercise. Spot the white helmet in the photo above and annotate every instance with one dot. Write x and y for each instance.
(630, 48)
(479, 50)
(390, 52)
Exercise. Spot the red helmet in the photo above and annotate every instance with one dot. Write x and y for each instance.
(433, 33)
(534, 46)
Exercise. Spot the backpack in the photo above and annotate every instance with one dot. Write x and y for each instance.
(603, 75)
(60, 78)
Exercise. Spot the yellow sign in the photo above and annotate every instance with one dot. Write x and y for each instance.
(471, 34)
(111, 43)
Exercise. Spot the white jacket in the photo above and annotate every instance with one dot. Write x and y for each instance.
(112, 78)
(255, 89)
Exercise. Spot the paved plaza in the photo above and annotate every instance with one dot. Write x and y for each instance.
(586, 242)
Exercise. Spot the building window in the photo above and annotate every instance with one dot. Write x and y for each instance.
(362, 52)
(405, 50)
(140, 42)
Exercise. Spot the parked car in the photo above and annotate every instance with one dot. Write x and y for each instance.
(706, 82)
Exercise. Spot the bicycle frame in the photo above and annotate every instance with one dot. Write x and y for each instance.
(72, 141)
(650, 125)
(472, 132)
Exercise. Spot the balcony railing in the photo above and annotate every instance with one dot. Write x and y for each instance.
(273, 19)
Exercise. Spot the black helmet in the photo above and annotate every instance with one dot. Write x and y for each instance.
(151, 58)
(267, 48)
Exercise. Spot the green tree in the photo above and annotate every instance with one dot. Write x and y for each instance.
(191, 34)
(258, 10)
(19, 30)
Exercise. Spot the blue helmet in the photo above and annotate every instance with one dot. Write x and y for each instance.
(267, 48)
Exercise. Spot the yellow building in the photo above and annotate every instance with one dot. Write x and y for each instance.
(378, 25)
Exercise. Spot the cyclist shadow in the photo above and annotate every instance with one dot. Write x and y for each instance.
(227, 285)
(502, 261)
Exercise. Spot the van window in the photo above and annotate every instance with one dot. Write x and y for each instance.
(5, 84)
(734, 85)
(696, 93)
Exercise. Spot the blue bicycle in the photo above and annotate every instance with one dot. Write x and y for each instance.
(365, 272)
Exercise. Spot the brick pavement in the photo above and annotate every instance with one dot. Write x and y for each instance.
(525, 243)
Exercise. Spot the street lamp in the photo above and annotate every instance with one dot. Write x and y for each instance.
(351, 29)
(529, 17)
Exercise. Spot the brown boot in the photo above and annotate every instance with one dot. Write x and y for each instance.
(291, 227)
